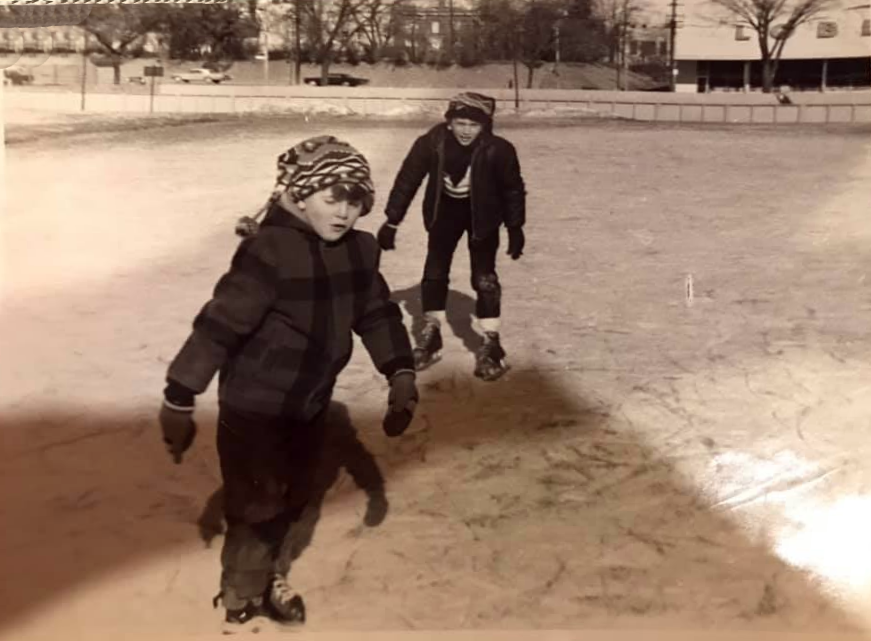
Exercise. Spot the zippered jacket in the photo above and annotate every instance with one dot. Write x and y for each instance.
(498, 192)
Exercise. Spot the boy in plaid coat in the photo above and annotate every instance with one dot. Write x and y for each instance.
(278, 331)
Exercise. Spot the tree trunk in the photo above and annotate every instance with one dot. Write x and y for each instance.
(769, 70)
(116, 68)
(530, 74)
(325, 68)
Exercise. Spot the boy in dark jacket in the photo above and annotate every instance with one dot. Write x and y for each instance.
(474, 186)
(278, 331)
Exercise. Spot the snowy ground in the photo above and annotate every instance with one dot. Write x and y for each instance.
(651, 461)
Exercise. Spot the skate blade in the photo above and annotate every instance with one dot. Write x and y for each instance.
(493, 375)
(261, 625)
(256, 625)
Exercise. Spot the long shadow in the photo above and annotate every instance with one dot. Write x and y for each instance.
(460, 308)
(608, 526)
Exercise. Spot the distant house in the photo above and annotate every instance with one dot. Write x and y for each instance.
(434, 21)
(832, 51)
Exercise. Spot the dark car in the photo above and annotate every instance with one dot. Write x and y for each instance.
(341, 79)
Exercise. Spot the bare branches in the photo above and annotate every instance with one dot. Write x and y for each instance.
(775, 22)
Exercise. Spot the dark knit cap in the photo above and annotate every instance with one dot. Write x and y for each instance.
(471, 105)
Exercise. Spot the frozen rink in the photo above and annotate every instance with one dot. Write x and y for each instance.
(652, 460)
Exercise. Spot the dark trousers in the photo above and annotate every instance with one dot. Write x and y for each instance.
(268, 473)
(453, 221)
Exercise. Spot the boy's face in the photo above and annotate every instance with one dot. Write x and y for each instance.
(466, 130)
(329, 212)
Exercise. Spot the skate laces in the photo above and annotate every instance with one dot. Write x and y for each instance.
(281, 593)
(429, 333)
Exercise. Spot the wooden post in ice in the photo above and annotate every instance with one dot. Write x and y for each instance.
(688, 290)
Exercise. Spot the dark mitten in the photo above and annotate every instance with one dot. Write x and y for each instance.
(179, 430)
(387, 236)
(516, 241)
(401, 401)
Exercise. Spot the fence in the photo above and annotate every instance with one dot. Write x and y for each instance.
(851, 107)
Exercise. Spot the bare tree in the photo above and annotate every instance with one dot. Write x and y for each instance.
(378, 22)
(120, 29)
(329, 25)
(618, 16)
(774, 22)
(522, 29)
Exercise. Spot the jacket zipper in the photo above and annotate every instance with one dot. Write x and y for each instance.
(440, 152)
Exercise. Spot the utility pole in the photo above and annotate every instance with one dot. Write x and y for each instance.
(297, 58)
(451, 27)
(672, 36)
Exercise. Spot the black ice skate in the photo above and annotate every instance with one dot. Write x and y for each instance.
(249, 618)
(430, 349)
(283, 604)
(490, 358)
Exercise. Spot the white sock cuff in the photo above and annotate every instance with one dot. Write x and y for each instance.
(489, 324)
(440, 316)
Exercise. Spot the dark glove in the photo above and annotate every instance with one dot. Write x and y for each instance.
(516, 241)
(387, 236)
(401, 401)
(179, 430)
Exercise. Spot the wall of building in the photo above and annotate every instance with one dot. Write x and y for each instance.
(702, 37)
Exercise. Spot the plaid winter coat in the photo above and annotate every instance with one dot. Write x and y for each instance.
(279, 326)
(498, 192)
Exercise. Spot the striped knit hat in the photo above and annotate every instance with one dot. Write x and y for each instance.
(321, 162)
(474, 106)
(309, 167)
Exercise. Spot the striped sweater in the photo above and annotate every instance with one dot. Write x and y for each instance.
(278, 329)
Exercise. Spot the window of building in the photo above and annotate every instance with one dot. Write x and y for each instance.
(827, 29)
(436, 27)
(866, 27)
(742, 32)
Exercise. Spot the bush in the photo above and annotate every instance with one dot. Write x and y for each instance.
(469, 58)
(437, 59)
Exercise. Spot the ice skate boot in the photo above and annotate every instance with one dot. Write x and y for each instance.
(248, 618)
(490, 358)
(430, 349)
(284, 605)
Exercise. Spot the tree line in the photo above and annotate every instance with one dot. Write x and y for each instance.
(530, 32)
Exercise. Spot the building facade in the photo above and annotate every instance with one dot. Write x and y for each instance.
(831, 51)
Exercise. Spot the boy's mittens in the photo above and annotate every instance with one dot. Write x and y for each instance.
(179, 430)
(401, 401)
(516, 241)
(247, 226)
(387, 237)
(395, 423)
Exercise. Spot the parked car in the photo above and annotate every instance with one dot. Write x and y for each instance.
(341, 79)
(17, 75)
(201, 75)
